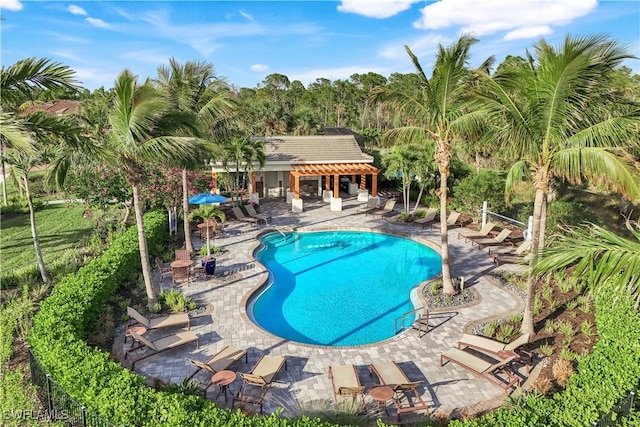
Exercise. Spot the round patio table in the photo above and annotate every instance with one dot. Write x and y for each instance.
(181, 263)
(381, 394)
(222, 379)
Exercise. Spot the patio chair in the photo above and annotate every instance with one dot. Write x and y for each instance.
(260, 217)
(497, 373)
(452, 220)
(493, 347)
(257, 383)
(345, 382)
(387, 209)
(429, 217)
(370, 207)
(180, 273)
(183, 254)
(524, 247)
(160, 322)
(220, 361)
(484, 232)
(164, 271)
(390, 373)
(488, 241)
(511, 259)
(242, 217)
(167, 343)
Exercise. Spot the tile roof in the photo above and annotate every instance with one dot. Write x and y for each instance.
(314, 149)
(55, 108)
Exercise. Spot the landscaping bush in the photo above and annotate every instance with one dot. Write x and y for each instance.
(470, 192)
(69, 315)
(559, 214)
(604, 377)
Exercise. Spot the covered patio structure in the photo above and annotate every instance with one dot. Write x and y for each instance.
(335, 170)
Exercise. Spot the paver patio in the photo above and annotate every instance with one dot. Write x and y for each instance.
(445, 388)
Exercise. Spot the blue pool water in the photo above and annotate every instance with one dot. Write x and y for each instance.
(339, 288)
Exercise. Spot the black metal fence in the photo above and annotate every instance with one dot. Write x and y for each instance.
(59, 406)
(621, 409)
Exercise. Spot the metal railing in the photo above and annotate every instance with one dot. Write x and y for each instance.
(419, 316)
(527, 227)
(621, 409)
(58, 404)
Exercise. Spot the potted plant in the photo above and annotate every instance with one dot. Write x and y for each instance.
(208, 214)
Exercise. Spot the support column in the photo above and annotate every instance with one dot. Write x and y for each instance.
(374, 185)
(353, 179)
(327, 182)
(214, 182)
(296, 187)
(336, 186)
(253, 182)
(363, 182)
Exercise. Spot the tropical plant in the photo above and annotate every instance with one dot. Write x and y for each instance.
(141, 127)
(194, 89)
(436, 108)
(31, 136)
(238, 156)
(547, 113)
(209, 214)
(399, 164)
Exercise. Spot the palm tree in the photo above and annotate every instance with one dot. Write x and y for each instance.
(141, 122)
(208, 214)
(192, 88)
(544, 112)
(25, 136)
(401, 162)
(598, 256)
(239, 154)
(437, 111)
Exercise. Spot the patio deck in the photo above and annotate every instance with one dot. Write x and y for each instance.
(446, 389)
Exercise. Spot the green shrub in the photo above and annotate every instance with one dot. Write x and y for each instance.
(604, 377)
(471, 191)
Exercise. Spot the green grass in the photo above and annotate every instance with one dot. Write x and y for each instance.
(60, 229)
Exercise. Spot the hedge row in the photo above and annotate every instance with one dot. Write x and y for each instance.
(604, 377)
(68, 316)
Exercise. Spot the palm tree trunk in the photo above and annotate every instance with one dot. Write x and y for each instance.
(5, 200)
(527, 326)
(543, 220)
(34, 233)
(447, 284)
(142, 243)
(415, 207)
(188, 244)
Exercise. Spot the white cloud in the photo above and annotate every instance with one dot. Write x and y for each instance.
(375, 8)
(421, 47)
(67, 55)
(259, 67)
(151, 56)
(246, 16)
(97, 22)
(77, 10)
(13, 5)
(519, 18)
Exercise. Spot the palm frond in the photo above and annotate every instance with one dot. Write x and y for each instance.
(18, 81)
(518, 172)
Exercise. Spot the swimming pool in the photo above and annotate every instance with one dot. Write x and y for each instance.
(338, 288)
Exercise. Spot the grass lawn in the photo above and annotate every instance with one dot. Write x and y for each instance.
(60, 228)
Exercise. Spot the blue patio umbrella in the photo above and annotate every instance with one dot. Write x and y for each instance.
(206, 199)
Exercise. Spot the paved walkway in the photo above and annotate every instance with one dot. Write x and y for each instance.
(445, 389)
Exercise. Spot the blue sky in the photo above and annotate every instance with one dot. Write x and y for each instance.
(248, 40)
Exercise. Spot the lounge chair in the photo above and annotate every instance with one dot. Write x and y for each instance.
(523, 248)
(489, 241)
(452, 220)
(160, 322)
(387, 209)
(237, 212)
(496, 372)
(429, 216)
(345, 382)
(511, 259)
(484, 232)
(389, 373)
(256, 383)
(260, 217)
(164, 271)
(167, 343)
(220, 361)
(370, 207)
(487, 345)
(183, 254)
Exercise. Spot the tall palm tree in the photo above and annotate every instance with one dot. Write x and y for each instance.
(141, 127)
(545, 114)
(25, 136)
(436, 108)
(193, 88)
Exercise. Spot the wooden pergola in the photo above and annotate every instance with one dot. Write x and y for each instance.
(336, 170)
